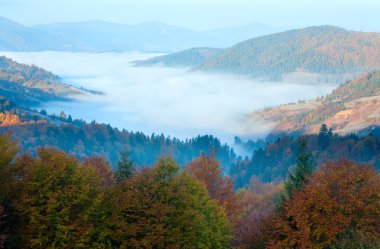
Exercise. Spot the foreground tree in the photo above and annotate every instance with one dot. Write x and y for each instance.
(58, 201)
(102, 168)
(207, 170)
(161, 208)
(8, 188)
(258, 204)
(342, 200)
(2, 227)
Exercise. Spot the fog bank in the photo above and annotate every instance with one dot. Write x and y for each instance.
(163, 100)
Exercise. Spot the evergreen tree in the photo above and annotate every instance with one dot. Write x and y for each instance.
(324, 136)
(125, 167)
(302, 170)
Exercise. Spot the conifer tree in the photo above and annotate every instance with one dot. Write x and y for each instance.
(324, 136)
(302, 170)
(125, 167)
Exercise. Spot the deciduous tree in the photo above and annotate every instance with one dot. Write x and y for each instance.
(341, 198)
(58, 202)
(161, 208)
(207, 170)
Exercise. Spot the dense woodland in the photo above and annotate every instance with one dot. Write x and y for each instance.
(274, 158)
(53, 200)
(324, 50)
(330, 51)
(186, 58)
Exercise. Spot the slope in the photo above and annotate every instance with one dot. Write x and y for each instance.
(353, 106)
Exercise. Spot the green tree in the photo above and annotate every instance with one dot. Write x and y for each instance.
(162, 208)
(302, 171)
(58, 202)
(8, 188)
(324, 136)
(125, 167)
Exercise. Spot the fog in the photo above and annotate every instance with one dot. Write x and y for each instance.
(175, 102)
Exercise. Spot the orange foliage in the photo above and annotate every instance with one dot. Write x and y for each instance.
(9, 119)
(207, 170)
(102, 168)
(256, 221)
(341, 197)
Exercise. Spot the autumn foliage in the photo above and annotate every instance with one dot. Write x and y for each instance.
(162, 208)
(208, 170)
(53, 200)
(57, 201)
(342, 198)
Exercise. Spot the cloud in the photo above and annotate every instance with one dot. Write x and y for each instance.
(172, 101)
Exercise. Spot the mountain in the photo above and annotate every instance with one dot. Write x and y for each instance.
(101, 36)
(185, 58)
(351, 107)
(29, 85)
(16, 37)
(324, 53)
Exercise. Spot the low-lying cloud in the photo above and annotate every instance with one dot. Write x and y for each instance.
(163, 100)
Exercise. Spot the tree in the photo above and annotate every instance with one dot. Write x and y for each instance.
(2, 227)
(341, 200)
(254, 228)
(162, 208)
(8, 187)
(102, 168)
(58, 202)
(62, 115)
(302, 171)
(324, 136)
(125, 167)
(207, 170)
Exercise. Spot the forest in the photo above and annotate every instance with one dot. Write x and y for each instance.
(275, 156)
(54, 200)
(331, 52)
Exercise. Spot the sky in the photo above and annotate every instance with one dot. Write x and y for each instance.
(200, 14)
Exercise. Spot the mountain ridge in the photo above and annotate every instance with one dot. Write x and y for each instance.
(330, 53)
(103, 36)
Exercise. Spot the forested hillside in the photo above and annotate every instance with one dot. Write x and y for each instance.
(325, 53)
(78, 138)
(351, 107)
(275, 158)
(324, 50)
(186, 58)
(29, 85)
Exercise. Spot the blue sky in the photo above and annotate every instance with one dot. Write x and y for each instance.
(199, 14)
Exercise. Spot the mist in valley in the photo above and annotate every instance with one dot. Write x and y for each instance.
(175, 102)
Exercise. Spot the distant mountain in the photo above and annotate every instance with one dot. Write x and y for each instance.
(185, 58)
(16, 37)
(325, 53)
(100, 36)
(352, 107)
(30, 85)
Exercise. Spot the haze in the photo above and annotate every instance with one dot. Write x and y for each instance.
(161, 100)
(210, 14)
